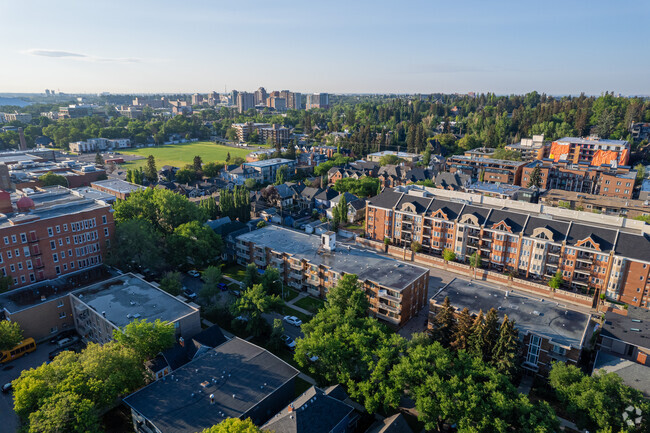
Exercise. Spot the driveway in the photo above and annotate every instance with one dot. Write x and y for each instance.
(11, 371)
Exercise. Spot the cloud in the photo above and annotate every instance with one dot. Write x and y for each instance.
(80, 56)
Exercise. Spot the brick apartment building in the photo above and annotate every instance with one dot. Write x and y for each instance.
(548, 332)
(602, 180)
(51, 233)
(397, 291)
(492, 170)
(531, 148)
(609, 256)
(591, 150)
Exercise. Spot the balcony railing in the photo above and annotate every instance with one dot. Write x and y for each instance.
(295, 285)
(384, 294)
(390, 307)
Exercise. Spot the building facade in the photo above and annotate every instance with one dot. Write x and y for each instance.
(486, 169)
(397, 291)
(531, 148)
(531, 241)
(268, 168)
(317, 100)
(590, 150)
(245, 101)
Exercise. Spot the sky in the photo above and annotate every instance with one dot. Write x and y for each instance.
(353, 46)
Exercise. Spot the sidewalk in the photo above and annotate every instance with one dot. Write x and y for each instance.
(290, 303)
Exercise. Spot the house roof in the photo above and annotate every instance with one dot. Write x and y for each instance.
(514, 220)
(605, 238)
(327, 194)
(632, 373)
(349, 197)
(237, 373)
(633, 328)
(393, 424)
(387, 199)
(312, 412)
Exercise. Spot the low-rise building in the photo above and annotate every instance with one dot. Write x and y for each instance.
(531, 148)
(244, 130)
(632, 373)
(486, 169)
(625, 333)
(590, 150)
(397, 291)
(596, 203)
(276, 134)
(119, 188)
(268, 168)
(235, 380)
(406, 156)
(548, 332)
(109, 305)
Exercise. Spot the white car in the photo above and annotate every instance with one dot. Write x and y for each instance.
(292, 320)
(194, 273)
(312, 358)
(288, 341)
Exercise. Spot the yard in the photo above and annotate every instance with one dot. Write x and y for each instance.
(310, 304)
(286, 310)
(234, 271)
(179, 155)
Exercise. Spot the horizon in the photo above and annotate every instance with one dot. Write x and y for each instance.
(556, 48)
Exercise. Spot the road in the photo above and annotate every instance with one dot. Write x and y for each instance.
(292, 331)
(11, 371)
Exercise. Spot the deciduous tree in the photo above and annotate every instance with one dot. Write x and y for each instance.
(10, 334)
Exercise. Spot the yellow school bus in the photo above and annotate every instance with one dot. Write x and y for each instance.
(25, 346)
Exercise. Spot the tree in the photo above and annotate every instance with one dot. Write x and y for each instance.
(10, 334)
(475, 261)
(271, 281)
(171, 283)
(185, 175)
(443, 324)
(281, 175)
(251, 276)
(509, 155)
(348, 298)
(211, 277)
(228, 157)
(150, 171)
(193, 242)
(342, 208)
(261, 224)
(463, 331)
(416, 247)
(557, 280)
(275, 340)
(490, 334)
(363, 187)
(254, 302)
(51, 179)
(98, 159)
(504, 353)
(640, 173)
(234, 425)
(211, 169)
(448, 255)
(597, 402)
(147, 339)
(136, 246)
(477, 336)
(197, 164)
(535, 178)
(250, 183)
(389, 159)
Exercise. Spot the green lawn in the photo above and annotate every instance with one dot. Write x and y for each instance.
(234, 271)
(179, 155)
(286, 310)
(310, 304)
(290, 294)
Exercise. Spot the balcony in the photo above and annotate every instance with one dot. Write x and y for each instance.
(296, 275)
(388, 307)
(243, 255)
(473, 244)
(407, 228)
(296, 266)
(260, 262)
(384, 295)
(36, 251)
(39, 265)
(277, 260)
(295, 285)
(384, 316)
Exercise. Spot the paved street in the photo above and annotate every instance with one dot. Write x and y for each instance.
(292, 331)
(11, 371)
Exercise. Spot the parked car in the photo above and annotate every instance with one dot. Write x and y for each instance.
(69, 341)
(288, 341)
(194, 273)
(223, 287)
(236, 293)
(65, 334)
(7, 387)
(292, 320)
(190, 294)
(312, 358)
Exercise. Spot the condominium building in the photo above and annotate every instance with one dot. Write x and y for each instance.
(245, 101)
(99, 144)
(594, 253)
(602, 180)
(406, 156)
(491, 170)
(15, 117)
(548, 332)
(269, 167)
(624, 207)
(397, 291)
(244, 130)
(260, 96)
(317, 100)
(51, 233)
(277, 134)
(591, 150)
(531, 148)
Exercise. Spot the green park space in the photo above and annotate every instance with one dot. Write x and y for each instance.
(179, 155)
(310, 304)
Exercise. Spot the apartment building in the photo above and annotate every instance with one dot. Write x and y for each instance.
(491, 170)
(624, 207)
(15, 117)
(397, 291)
(99, 144)
(51, 233)
(406, 156)
(531, 148)
(591, 150)
(243, 130)
(594, 253)
(602, 180)
(27, 175)
(245, 101)
(548, 332)
(268, 168)
(277, 134)
(317, 100)
(120, 189)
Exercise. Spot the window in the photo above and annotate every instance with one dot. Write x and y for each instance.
(9, 256)
(14, 239)
(103, 219)
(26, 251)
(60, 242)
(67, 240)
(60, 303)
(6, 240)
(559, 350)
(53, 245)
(29, 264)
(55, 257)
(62, 315)
(54, 330)
(58, 229)
(23, 237)
(22, 278)
(50, 232)
(58, 270)
(32, 278)
(12, 268)
(65, 227)
(20, 266)
(533, 350)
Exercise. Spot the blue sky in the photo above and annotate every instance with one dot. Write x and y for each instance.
(557, 47)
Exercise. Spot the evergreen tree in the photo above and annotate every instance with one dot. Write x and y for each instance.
(490, 334)
(343, 209)
(151, 173)
(443, 324)
(98, 159)
(477, 335)
(197, 165)
(463, 330)
(505, 350)
(535, 178)
(228, 157)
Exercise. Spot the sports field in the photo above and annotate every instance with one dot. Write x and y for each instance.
(179, 155)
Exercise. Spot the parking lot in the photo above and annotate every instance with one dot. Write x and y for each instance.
(11, 371)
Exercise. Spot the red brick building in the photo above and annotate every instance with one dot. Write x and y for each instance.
(51, 233)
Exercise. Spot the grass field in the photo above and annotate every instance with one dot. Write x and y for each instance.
(179, 155)
(310, 304)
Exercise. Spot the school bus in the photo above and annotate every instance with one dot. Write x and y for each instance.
(25, 346)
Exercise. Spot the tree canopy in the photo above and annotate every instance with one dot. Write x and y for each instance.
(10, 334)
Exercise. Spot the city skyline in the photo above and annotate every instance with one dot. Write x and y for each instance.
(148, 47)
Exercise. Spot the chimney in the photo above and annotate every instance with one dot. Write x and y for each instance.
(181, 341)
(290, 408)
(211, 398)
(23, 143)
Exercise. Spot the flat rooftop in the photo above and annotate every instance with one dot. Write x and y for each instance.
(268, 162)
(392, 152)
(591, 141)
(633, 374)
(127, 297)
(239, 374)
(549, 319)
(485, 160)
(117, 185)
(94, 194)
(633, 328)
(367, 265)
